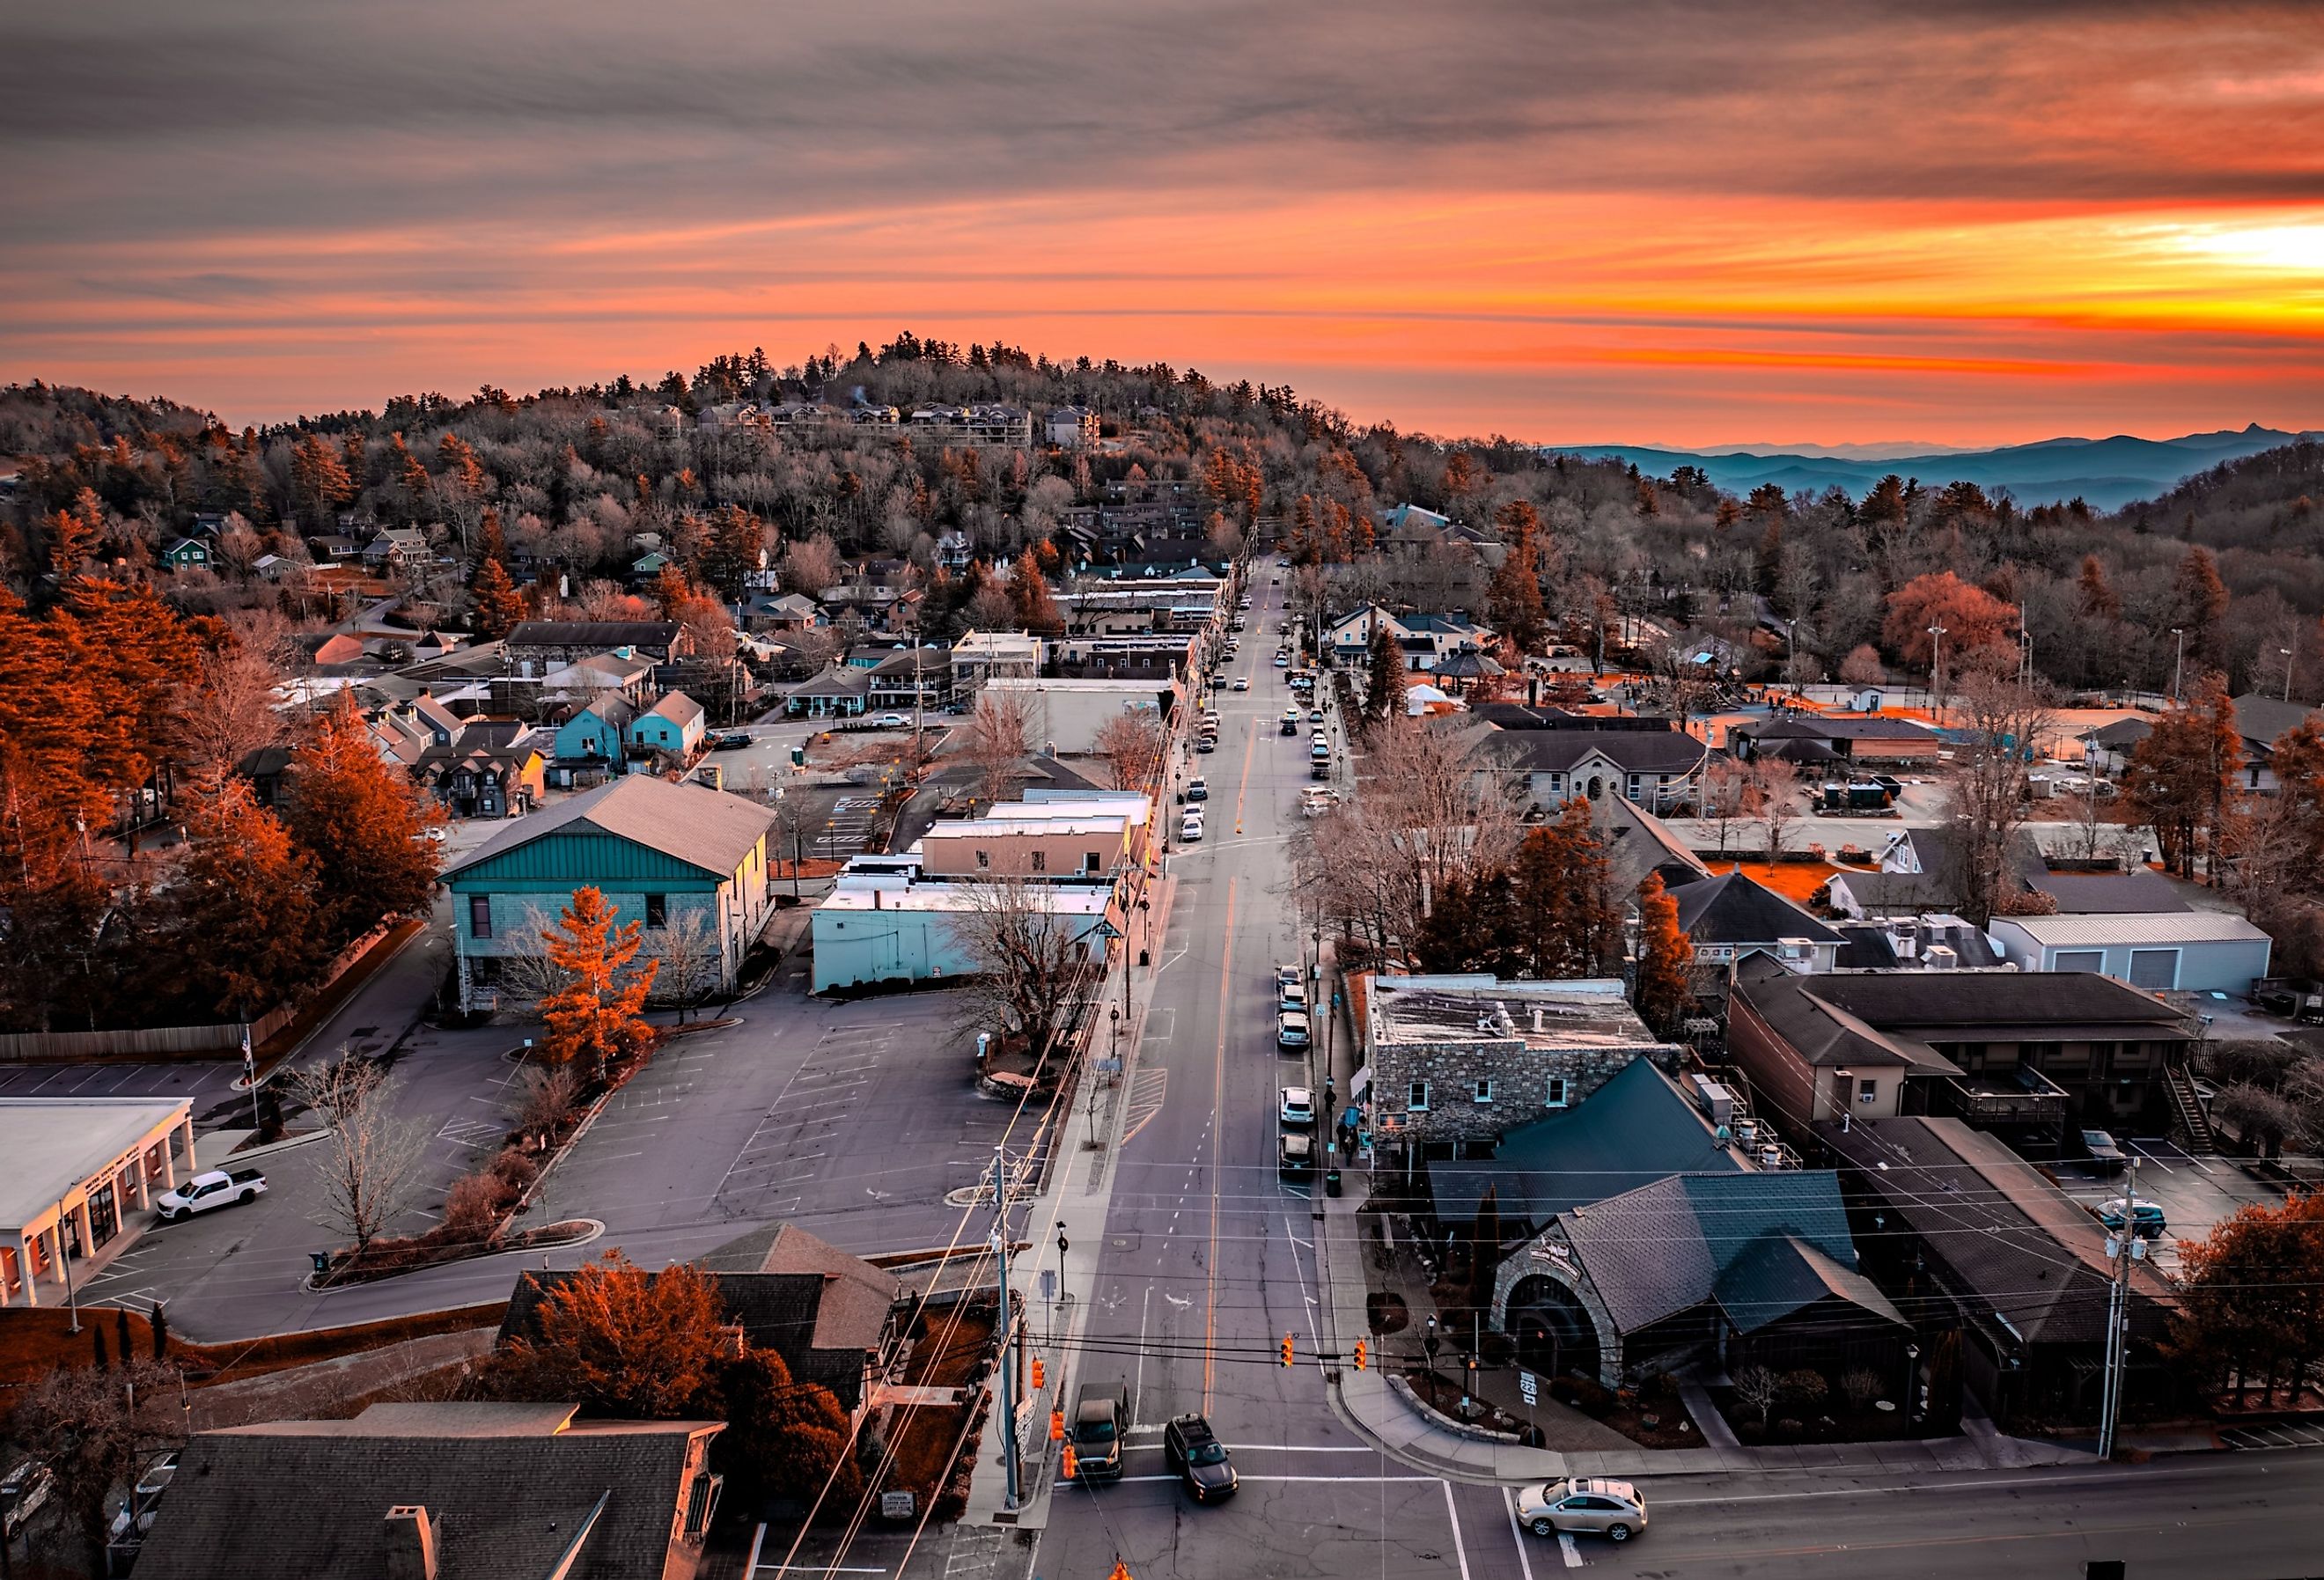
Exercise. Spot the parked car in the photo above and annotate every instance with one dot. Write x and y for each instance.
(1194, 1452)
(1319, 768)
(1282, 661)
(1190, 827)
(1290, 995)
(1315, 716)
(1198, 789)
(1298, 1107)
(894, 721)
(1287, 975)
(1099, 1421)
(1241, 683)
(1317, 799)
(733, 741)
(1206, 743)
(22, 1492)
(1294, 1157)
(1291, 1030)
(216, 1188)
(1614, 1509)
(135, 1518)
(2104, 1153)
(2146, 1219)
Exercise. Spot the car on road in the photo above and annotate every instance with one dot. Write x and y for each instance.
(1290, 725)
(1613, 1510)
(1315, 716)
(1320, 768)
(2105, 1155)
(733, 741)
(1241, 683)
(1282, 661)
(2146, 1220)
(1099, 1419)
(1190, 827)
(1298, 1108)
(1295, 1155)
(1206, 743)
(1198, 789)
(1290, 995)
(1291, 1030)
(894, 721)
(1317, 799)
(1194, 1452)
(1242, 602)
(216, 1189)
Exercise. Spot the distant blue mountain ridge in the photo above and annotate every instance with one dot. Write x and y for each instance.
(2105, 473)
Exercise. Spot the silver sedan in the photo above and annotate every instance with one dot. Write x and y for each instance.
(1614, 1509)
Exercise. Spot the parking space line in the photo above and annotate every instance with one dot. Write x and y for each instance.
(1570, 1548)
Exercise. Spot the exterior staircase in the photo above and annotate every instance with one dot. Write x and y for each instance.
(2187, 1104)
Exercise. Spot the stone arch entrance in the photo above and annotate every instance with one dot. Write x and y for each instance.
(1553, 1331)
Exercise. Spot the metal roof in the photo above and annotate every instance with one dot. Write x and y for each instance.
(2180, 926)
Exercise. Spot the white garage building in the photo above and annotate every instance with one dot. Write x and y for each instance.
(2191, 951)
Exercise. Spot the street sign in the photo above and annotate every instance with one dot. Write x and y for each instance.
(895, 1505)
(1530, 1386)
(1049, 1285)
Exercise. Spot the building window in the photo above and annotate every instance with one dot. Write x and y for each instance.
(1867, 1091)
(480, 916)
(1630, 787)
(1415, 1100)
(1558, 1094)
(1040, 860)
(983, 859)
(1092, 862)
(1485, 1089)
(657, 910)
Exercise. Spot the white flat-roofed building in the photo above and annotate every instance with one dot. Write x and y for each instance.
(2185, 951)
(72, 1170)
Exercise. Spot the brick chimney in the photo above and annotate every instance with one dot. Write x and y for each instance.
(409, 1543)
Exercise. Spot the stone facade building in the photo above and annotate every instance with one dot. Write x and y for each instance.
(1450, 1063)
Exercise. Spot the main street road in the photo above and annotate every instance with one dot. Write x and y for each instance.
(1208, 1261)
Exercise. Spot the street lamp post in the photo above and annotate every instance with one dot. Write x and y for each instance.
(1937, 665)
(2178, 664)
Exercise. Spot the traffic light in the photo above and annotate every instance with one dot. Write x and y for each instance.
(1286, 1349)
(1360, 1354)
(1037, 1373)
(1069, 1463)
(1057, 1426)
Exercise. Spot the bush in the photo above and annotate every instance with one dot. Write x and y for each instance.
(473, 1207)
(1789, 1429)
(1805, 1388)
(1861, 1386)
(1659, 1389)
(1591, 1399)
(515, 1172)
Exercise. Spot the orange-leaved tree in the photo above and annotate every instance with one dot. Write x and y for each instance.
(496, 605)
(1971, 617)
(2252, 1296)
(1662, 991)
(243, 905)
(361, 822)
(622, 1340)
(594, 1014)
(2181, 779)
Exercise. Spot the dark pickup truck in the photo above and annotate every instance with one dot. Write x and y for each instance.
(1099, 1419)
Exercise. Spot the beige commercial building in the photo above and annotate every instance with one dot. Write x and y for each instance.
(76, 1168)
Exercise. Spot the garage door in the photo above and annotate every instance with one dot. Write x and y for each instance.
(2082, 959)
(2154, 969)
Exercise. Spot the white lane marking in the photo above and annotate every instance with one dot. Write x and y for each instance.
(2147, 1474)
(1460, 1548)
(1137, 1395)
(1566, 1545)
(1333, 1479)
(1525, 1560)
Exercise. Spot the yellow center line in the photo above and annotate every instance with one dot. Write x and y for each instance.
(1218, 1151)
(1250, 750)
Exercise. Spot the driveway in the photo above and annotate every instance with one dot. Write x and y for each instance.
(2194, 1193)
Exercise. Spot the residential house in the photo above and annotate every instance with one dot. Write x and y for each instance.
(955, 550)
(1923, 870)
(2261, 721)
(439, 1492)
(919, 676)
(1454, 1062)
(680, 858)
(397, 549)
(491, 768)
(1730, 915)
(1734, 1267)
(2183, 950)
(589, 747)
(648, 565)
(273, 567)
(2037, 1050)
(1808, 1059)
(674, 727)
(623, 673)
(782, 612)
(1639, 845)
(2006, 1276)
(830, 1316)
(1072, 427)
(2107, 748)
(1659, 768)
(839, 692)
(544, 643)
(1425, 641)
(81, 1174)
(334, 548)
(190, 554)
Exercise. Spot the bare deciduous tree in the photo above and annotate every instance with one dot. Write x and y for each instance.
(2004, 721)
(687, 946)
(1758, 1389)
(1028, 955)
(87, 1424)
(368, 1164)
(1131, 743)
(1776, 798)
(1727, 796)
(997, 740)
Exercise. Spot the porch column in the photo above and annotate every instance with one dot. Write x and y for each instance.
(184, 1138)
(22, 1246)
(57, 1248)
(144, 1186)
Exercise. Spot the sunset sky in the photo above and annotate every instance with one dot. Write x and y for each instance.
(1949, 221)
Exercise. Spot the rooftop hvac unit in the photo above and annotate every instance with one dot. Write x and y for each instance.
(1713, 1098)
(1941, 957)
(1794, 949)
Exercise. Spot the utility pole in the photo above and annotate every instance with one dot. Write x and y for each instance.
(2179, 664)
(2123, 1248)
(1010, 1377)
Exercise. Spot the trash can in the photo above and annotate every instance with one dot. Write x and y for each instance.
(1331, 1182)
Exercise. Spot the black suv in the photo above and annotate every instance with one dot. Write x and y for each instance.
(1199, 1458)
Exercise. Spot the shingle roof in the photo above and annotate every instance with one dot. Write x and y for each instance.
(2011, 1242)
(1629, 751)
(1822, 1033)
(2108, 895)
(1842, 728)
(1637, 1128)
(593, 633)
(692, 823)
(1937, 1004)
(1656, 1251)
(1780, 1274)
(1732, 908)
(676, 706)
(2261, 719)
(507, 1488)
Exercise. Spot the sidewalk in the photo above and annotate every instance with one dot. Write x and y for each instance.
(1075, 1207)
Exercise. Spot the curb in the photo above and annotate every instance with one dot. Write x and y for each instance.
(596, 1231)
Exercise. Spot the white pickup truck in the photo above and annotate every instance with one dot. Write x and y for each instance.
(216, 1189)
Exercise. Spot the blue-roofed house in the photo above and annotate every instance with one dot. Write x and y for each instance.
(589, 744)
(1735, 1267)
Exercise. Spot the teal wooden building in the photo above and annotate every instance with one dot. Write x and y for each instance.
(688, 860)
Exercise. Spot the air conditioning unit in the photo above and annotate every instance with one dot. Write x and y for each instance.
(1941, 957)
(1797, 950)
